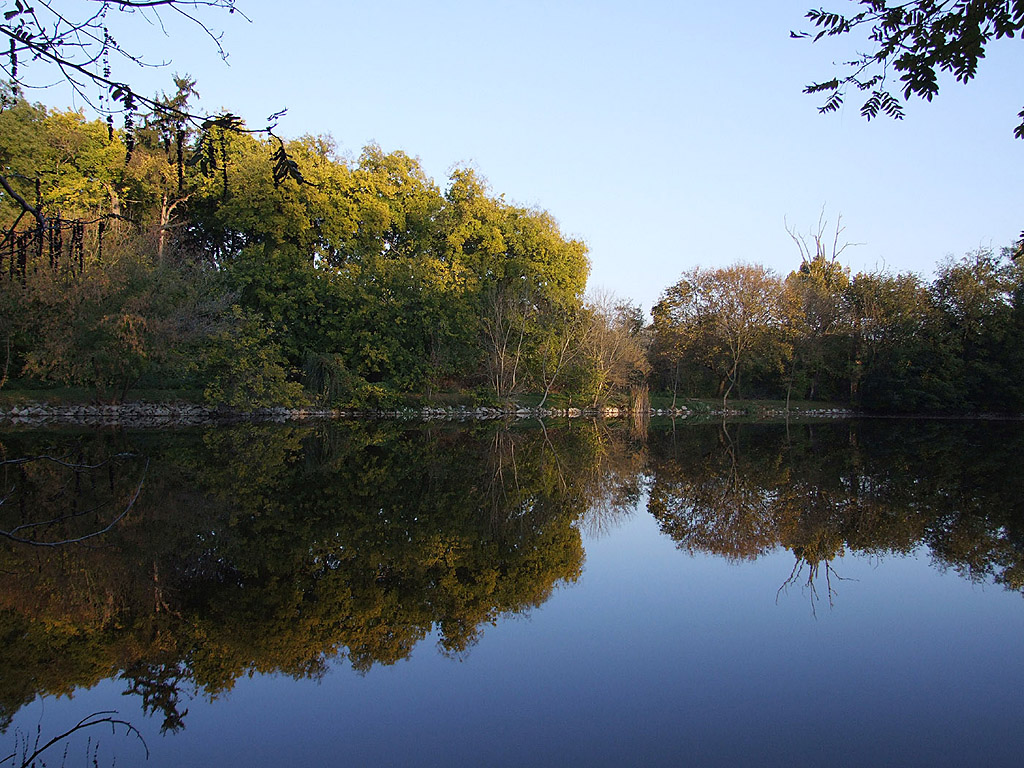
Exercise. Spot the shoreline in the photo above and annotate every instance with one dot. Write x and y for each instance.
(168, 415)
(158, 415)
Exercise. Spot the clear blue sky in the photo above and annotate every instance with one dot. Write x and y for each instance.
(663, 134)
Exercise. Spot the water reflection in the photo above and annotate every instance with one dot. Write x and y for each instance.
(279, 549)
(872, 488)
(263, 549)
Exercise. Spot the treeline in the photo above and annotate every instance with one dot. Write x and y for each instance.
(263, 272)
(876, 340)
(196, 263)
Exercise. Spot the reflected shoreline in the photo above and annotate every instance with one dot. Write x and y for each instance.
(265, 548)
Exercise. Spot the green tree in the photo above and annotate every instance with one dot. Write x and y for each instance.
(244, 368)
(976, 298)
(816, 324)
(116, 322)
(75, 46)
(158, 180)
(891, 347)
(670, 338)
(519, 273)
(62, 164)
(725, 318)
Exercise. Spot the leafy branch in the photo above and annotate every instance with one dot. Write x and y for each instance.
(915, 41)
(78, 51)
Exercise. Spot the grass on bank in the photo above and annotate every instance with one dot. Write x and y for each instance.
(22, 393)
(19, 394)
(663, 401)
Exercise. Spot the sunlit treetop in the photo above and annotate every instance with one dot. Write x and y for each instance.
(43, 43)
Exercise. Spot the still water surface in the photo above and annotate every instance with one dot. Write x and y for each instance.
(381, 594)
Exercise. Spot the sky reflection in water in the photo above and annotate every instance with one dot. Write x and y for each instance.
(655, 656)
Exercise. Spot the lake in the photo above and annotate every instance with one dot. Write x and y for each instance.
(585, 593)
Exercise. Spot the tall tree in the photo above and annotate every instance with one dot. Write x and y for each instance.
(976, 298)
(521, 273)
(891, 346)
(816, 324)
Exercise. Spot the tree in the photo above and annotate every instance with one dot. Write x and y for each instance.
(66, 165)
(117, 322)
(724, 318)
(519, 270)
(815, 320)
(49, 44)
(669, 342)
(156, 165)
(891, 348)
(916, 40)
(976, 298)
(614, 347)
(244, 367)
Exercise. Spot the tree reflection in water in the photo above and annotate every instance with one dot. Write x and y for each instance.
(279, 549)
(821, 490)
(259, 549)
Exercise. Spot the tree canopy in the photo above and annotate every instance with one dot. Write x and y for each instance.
(363, 282)
(880, 341)
(82, 47)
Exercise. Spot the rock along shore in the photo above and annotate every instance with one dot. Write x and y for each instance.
(159, 415)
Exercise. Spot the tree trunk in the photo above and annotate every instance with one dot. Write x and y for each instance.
(675, 385)
(165, 218)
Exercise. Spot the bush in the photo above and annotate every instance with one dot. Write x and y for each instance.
(243, 368)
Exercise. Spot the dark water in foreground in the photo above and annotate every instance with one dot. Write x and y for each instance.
(387, 594)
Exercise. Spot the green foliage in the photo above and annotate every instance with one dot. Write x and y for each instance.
(519, 275)
(365, 276)
(66, 165)
(879, 341)
(724, 319)
(243, 368)
(977, 300)
(816, 327)
(367, 283)
(117, 321)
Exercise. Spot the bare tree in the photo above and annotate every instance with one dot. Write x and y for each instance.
(615, 346)
(819, 239)
(505, 315)
(814, 312)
